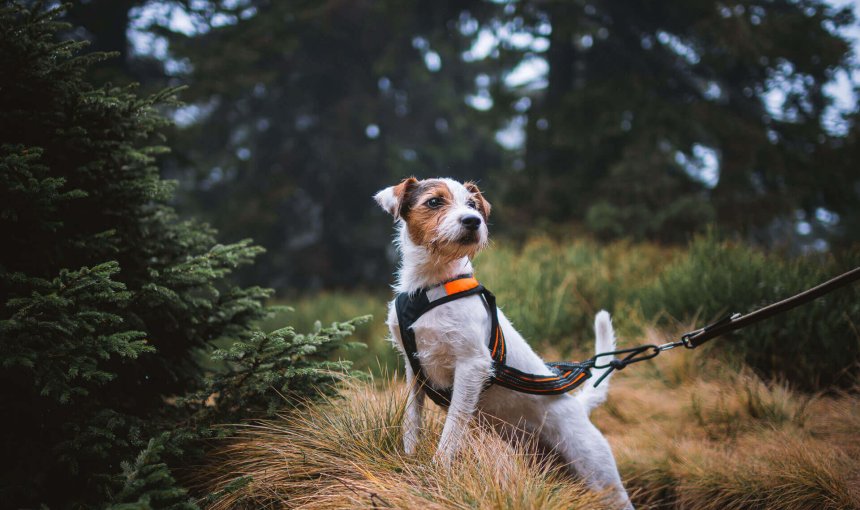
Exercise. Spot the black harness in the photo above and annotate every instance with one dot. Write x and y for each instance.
(567, 375)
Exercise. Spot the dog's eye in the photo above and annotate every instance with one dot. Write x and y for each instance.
(433, 203)
(471, 203)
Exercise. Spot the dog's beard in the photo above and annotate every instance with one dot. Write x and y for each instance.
(446, 250)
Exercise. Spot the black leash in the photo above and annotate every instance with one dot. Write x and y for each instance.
(727, 324)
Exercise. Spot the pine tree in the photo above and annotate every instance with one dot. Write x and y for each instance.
(304, 111)
(644, 99)
(147, 482)
(108, 301)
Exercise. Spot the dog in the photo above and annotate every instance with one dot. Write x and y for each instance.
(441, 224)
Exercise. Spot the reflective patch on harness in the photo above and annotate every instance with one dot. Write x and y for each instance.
(436, 293)
(461, 285)
(455, 286)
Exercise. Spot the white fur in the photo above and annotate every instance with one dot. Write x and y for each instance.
(589, 396)
(452, 342)
(387, 200)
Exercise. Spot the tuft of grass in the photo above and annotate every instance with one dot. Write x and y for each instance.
(741, 400)
(772, 470)
(347, 454)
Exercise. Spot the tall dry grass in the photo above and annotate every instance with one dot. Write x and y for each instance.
(690, 429)
(347, 454)
(687, 432)
(691, 432)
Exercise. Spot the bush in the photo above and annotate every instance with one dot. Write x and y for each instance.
(107, 298)
(551, 290)
(813, 347)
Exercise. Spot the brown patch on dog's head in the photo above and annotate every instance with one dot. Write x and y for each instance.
(425, 208)
(393, 198)
(481, 203)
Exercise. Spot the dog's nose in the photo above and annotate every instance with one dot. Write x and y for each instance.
(471, 222)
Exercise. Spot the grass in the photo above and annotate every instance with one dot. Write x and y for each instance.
(713, 439)
(347, 454)
(690, 429)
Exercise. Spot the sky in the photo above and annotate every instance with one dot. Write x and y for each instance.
(842, 88)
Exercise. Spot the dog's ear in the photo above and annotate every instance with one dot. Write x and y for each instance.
(480, 201)
(392, 198)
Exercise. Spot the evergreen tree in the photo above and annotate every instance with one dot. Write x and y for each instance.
(301, 111)
(645, 100)
(108, 301)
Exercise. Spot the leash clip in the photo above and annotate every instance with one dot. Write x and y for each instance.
(687, 338)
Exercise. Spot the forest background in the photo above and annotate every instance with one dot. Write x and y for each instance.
(669, 161)
(645, 121)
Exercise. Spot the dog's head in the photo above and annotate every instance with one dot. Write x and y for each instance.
(444, 216)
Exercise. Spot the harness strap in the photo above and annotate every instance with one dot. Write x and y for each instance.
(566, 376)
(410, 307)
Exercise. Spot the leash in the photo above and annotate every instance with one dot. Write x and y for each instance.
(727, 324)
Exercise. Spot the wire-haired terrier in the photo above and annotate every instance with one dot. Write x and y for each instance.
(442, 319)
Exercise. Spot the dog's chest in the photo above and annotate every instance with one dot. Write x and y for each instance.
(437, 354)
(450, 332)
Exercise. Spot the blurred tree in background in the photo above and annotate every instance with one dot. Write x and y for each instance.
(633, 119)
(660, 118)
(306, 109)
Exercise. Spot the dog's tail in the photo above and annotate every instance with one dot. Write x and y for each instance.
(589, 396)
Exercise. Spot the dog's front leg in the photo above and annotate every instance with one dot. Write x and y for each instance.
(414, 408)
(469, 378)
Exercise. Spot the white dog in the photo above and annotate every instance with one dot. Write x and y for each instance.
(441, 225)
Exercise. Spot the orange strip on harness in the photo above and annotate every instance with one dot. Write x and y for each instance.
(461, 285)
(544, 379)
(563, 388)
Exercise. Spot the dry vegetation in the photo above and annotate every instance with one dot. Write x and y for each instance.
(690, 429)
(687, 431)
(347, 454)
